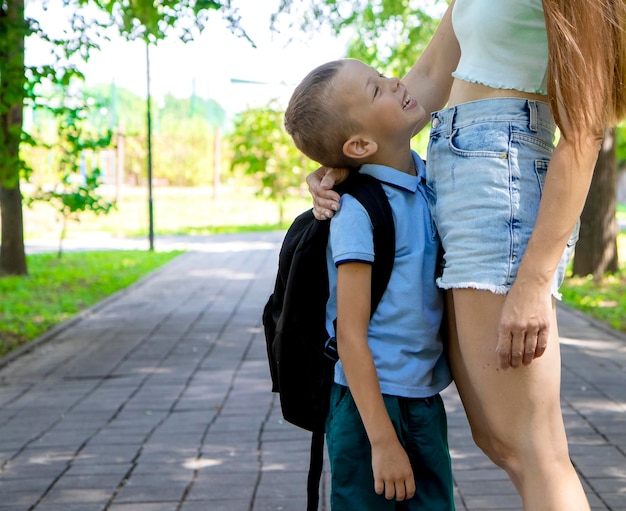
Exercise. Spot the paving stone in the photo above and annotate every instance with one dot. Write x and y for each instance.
(221, 505)
(215, 485)
(130, 493)
(151, 506)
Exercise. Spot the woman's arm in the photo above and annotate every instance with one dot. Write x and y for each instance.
(393, 475)
(526, 313)
(429, 81)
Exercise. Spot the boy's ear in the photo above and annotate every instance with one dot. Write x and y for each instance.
(357, 147)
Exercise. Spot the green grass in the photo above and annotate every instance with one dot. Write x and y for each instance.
(604, 300)
(57, 289)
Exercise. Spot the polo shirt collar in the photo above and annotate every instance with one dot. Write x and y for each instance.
(395, 177)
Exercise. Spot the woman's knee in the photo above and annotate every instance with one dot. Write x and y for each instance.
(545, 448)
(500, 451)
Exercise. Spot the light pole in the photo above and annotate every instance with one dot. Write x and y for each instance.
(149, 126)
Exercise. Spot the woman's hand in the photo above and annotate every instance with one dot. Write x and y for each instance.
(527, 311)
(325, 199)
(524, 326)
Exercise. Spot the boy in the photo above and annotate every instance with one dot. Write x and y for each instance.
(386, 429)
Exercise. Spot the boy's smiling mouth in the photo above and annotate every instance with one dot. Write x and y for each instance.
(408, 101)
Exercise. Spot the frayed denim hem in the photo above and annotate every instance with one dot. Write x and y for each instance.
(481, 286)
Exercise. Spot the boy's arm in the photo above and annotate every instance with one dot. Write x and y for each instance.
(390, 464)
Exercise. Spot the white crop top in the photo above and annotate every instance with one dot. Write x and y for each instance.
(503, 43)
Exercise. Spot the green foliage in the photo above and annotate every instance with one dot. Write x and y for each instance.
(185, 134)
(73, 197)
(391, 35)
(75, 194)
(56, 290)
(175, 109)
(70, 198)
(387, 34)
(183, 151)
(151, 21)
(262, 148)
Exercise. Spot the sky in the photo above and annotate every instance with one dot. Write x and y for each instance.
(209, 63)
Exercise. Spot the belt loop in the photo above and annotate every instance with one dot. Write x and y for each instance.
(532, 109)
(450, 113)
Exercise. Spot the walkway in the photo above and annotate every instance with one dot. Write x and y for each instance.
(158, 399)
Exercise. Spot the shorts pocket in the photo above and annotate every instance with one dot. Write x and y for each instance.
(339, 395)
(480, 141)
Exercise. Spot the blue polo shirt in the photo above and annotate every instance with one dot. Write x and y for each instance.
(404, 331)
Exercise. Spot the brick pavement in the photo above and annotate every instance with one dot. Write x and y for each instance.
(158, 399)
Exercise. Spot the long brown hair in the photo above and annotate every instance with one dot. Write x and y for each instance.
(586, 64)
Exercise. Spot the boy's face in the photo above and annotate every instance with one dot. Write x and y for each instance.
(381, 105)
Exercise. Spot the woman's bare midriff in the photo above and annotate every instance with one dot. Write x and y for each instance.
(463, 92)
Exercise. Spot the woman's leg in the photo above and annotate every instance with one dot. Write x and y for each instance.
(515, 415)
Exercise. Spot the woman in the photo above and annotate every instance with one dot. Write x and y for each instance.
(506, 203)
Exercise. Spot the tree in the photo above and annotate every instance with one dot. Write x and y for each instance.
(596, 250)
(13, 30)
(262, 148)
(139, 19)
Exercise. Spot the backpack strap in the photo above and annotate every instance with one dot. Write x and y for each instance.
(369, 192)
(316, 463)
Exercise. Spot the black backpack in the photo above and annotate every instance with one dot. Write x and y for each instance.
(294, 317)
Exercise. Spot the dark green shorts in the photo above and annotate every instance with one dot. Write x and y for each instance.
(423, 431)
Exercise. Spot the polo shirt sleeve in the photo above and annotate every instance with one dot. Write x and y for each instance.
(351, 233)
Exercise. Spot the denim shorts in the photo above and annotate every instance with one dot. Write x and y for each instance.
(486, 167)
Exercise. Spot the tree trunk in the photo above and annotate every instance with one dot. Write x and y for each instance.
(596, 251)
(12, 253)
(12, 79)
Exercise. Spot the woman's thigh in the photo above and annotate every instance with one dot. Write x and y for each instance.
(515, 414)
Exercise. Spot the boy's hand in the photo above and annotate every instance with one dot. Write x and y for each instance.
(325, 199)
(393, 475)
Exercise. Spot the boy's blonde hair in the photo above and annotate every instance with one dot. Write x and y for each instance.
(587, 63)
(317, 121)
